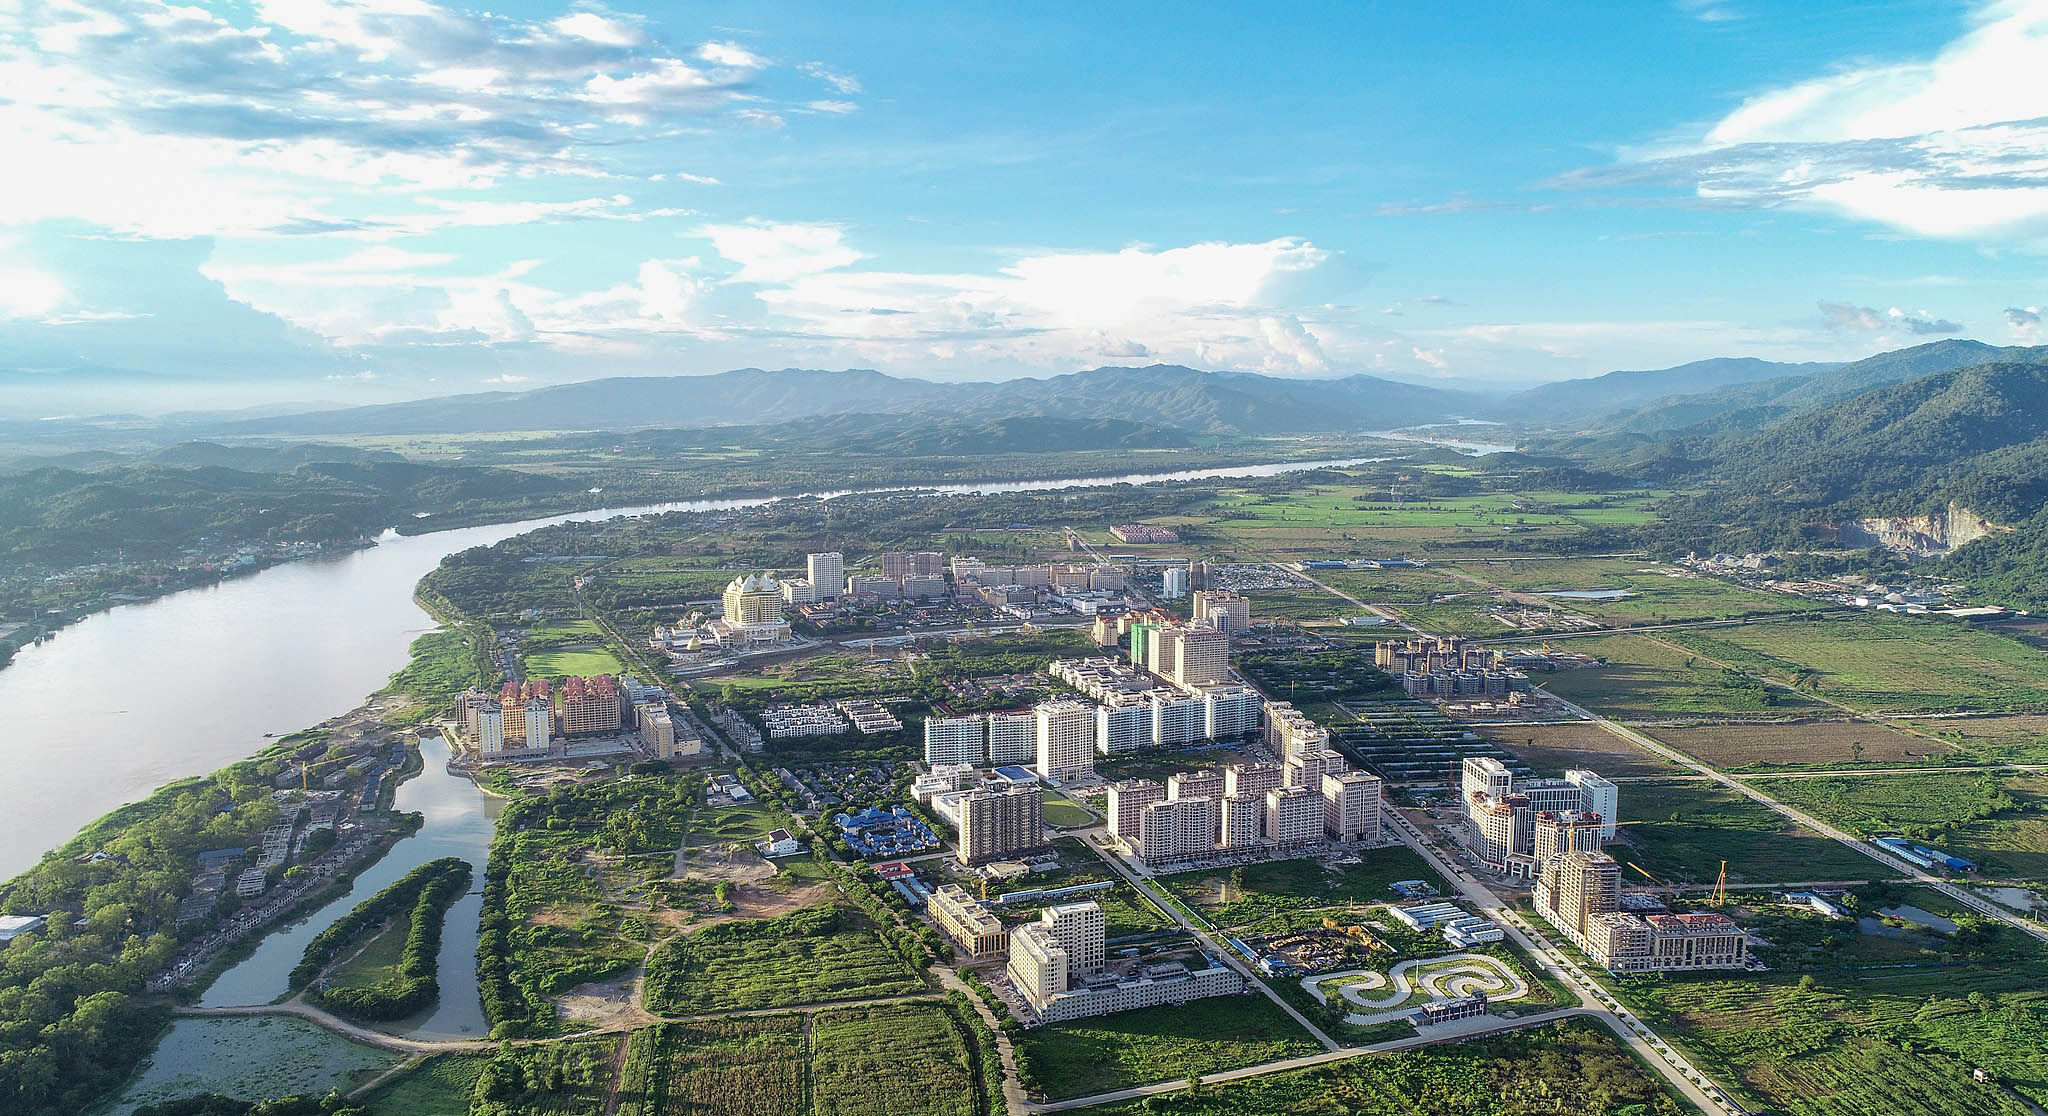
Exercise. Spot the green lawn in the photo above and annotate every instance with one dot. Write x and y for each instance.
(378, 960)
(1887, 664)
(1234, 896)
(575, 660)
(1679, 832)
(811, 956)
(1573, 1067)
(1089, 1056)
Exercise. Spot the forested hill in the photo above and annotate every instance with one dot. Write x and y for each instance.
(1164, 395)
(1744, 408)
(1576, 401)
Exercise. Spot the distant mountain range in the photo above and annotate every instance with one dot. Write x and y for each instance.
(1568, 401)
(1160, 395)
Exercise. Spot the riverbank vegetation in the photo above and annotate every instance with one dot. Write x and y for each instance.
(554, 904)
(410, 911)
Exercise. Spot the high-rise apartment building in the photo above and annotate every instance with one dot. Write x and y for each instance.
(1307, 768)
(1123, 723)
(1251, 778)
(1580, 894)
(1223, 610)
(998, 823)
(1557, 834)
(1066, 739)
(1195, 784)
(1067, 945)
(1175, 582)
(897, 564)
(1289, 730)
(1294, 816)
(951, 740)
(1244, 820)
(1597, 796)
(1012, 738)
(827, 573)
(1194, 656)
(1351, 806)
(1178, 829)
(1127, 802)
(587, 706)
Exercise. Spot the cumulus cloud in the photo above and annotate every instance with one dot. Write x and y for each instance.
(777, 252)
(1954, 145)
(1848, 317)
(2024, 322)
(154, 119)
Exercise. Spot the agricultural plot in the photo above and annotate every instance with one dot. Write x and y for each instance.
(1467, 614)
(1889, 1039)
(1574, 1060)
(1551, 750)
(718, 1067)
(1089, 1056)
(1658, 593)
(1680, 832)
(1238, 895)
(1643, 678)
(811, 956)
(1309, 605)
(1886, 664)
(914, 1059)
(1810, 744)
(2014, 739)
(1393, 586)
(1999, 822)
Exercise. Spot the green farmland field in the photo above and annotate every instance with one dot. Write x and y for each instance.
(1887, 664)
(913, 1059)
(1682, 831)
(2000, 822)
(1089, 1056)
(1643, 677)
(1233, 896)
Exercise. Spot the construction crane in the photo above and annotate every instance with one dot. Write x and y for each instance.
(1645, 872)
(1720, 887)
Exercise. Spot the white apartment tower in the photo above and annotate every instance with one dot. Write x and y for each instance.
(1066, 739)
(1351, 806)
(827, 572)
(1012, 738)
(955, 739)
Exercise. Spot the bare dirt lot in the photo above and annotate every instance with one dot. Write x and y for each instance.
(1802, 744)
(1553, 749)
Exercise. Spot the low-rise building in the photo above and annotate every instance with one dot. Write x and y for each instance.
(968, 922)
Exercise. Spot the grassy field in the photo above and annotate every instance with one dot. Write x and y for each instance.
(1567, 1067)
(1234, 896)
(1555, 749)
(2000, 822)
(1682, 831)
(2014, 739)
(377, 961)
(1811, 744)
(1089, 1056)
(910, 1059)
(1886, 664)
(1892, 1040)
(717, 1067)
(811, 956)
(577, 660)
(1645, 678)
(441, 1086)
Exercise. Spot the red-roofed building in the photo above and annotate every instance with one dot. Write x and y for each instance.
(588, 706)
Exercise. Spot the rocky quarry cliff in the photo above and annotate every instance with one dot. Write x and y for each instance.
(1937, 533)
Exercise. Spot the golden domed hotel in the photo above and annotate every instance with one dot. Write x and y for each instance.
(753, 614)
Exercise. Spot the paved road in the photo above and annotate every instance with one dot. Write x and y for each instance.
(1450, 1032)
(1745, 788)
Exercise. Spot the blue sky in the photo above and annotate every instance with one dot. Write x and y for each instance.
(302, 199)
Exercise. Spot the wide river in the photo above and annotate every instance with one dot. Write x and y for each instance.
(133, 698)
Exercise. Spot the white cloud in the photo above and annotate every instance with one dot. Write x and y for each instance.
(2024, 322)
(1866, 319)
(26, 292)
(842, 83)
(1210, 305)
(777, 252)
(1954, 145)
